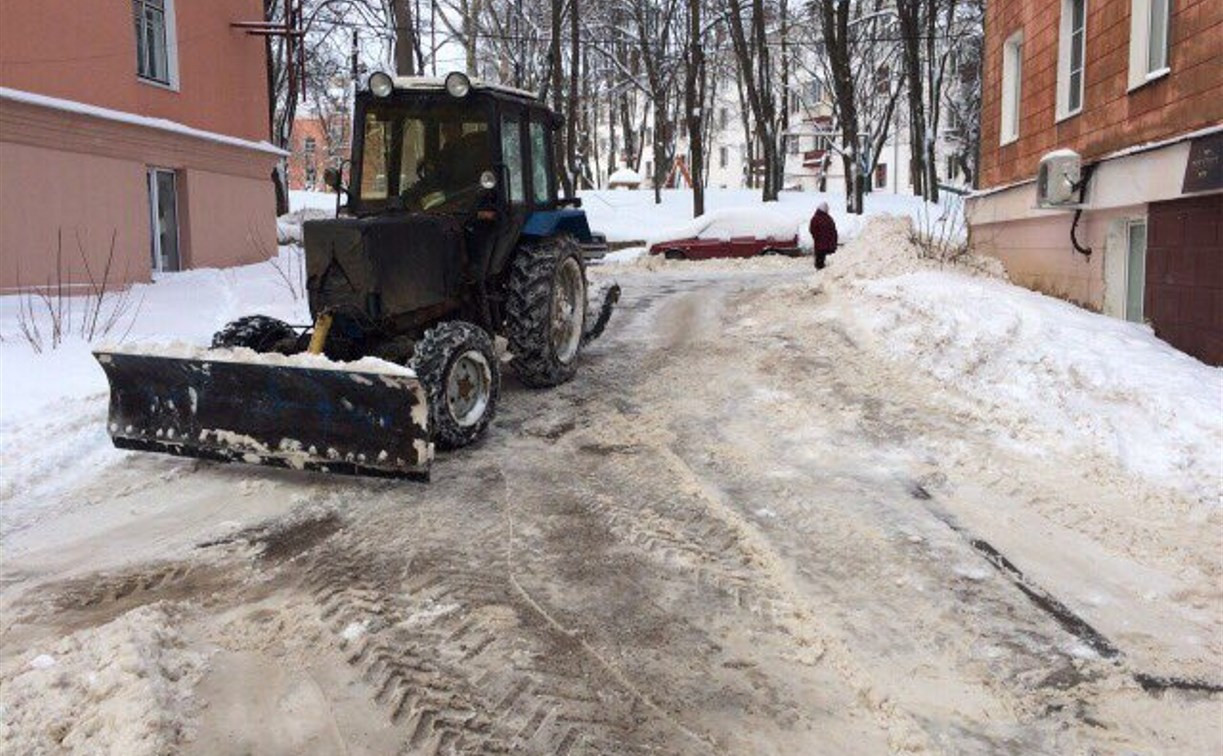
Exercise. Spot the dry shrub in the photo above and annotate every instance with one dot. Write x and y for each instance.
(50, 314)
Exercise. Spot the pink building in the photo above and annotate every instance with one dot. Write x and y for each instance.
(144, 120)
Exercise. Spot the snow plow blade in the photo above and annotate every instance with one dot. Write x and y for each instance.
(356, 422)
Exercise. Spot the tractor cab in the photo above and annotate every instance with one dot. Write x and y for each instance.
(448, 179)
(451, 146)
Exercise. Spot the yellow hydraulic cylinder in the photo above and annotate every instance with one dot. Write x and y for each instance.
(321, 328)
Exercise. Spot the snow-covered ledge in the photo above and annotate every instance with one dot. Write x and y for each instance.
(119, 116)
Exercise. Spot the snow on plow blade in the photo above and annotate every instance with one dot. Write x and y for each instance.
(298, 412)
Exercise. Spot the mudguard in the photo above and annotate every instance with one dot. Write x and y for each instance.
(239, 406)
(544, 223)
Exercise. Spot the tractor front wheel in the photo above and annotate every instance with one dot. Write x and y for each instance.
(457, 366)
(257, 332)
(546, 311)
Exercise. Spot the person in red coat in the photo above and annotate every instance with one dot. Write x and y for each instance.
(824, 234)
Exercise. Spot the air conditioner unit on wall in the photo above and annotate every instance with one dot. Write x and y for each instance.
(1057, 183)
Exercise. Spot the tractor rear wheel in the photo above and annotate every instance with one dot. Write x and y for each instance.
(457, 365)
(257, 332)
(546, 311)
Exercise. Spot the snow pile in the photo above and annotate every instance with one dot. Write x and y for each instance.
(289, 225)
(885, 248)
(303, 200)
(758, 222)
(124, 687)
(180, 350)
(1035, 363)
(624, 175)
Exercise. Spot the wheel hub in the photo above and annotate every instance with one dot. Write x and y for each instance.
(468, 388)
(568, 310)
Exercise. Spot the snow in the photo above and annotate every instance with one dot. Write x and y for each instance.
(303, 200)
(624, 175)
(53, 405)
(1095, 382)
(734, 222)
(119, 116)
(633, 215)
(1047, 374)
(181, 350)
(122, 687)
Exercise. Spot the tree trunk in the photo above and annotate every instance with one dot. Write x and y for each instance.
(693, 102)
(758, 82)
(405, 33)
(835, 17)
(558, 80)
(909, 15)
(571, 116)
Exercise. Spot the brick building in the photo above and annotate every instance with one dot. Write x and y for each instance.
(144, 120)
(317, 144)
(1135, 89)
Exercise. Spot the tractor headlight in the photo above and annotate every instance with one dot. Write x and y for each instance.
(381, 84)
(488, 180)
(457, 84)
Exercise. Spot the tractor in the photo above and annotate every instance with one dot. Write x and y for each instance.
(451, 236)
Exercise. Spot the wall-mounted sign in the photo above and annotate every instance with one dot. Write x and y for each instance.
(1204, 171)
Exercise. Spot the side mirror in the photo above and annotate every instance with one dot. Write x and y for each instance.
(333, 179)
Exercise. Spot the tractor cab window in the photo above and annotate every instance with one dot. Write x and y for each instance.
(424, 155)
(511, 153)
(540, 159)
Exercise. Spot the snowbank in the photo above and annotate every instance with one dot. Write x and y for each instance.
(757, 222)
(303, 200)
(624, 176)
(289, 225)
(124, 687)
(633, 215)
(1035, 363)
(1095, 381)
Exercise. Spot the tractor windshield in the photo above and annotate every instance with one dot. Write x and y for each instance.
(424, 155)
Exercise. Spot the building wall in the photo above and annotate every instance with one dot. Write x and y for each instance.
(1112, 118)
(85, 50)
(299, 160)
(71, 175)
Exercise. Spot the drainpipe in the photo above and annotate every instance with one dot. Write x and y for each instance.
(1081, 186)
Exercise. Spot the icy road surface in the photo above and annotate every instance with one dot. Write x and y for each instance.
(736, 531)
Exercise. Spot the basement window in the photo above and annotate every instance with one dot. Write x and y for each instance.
(1149, 25)
(1072, 42)
(1012, 87)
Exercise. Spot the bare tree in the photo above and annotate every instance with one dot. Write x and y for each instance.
(694, 100)
(756, 71)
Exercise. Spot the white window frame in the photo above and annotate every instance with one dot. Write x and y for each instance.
(1140, 316)
(1065, 60)
(1012, 88)
(171, 23)
(1141, 42)
(154, 193)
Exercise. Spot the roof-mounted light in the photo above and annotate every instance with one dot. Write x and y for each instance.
(457, 84)
(381, 84)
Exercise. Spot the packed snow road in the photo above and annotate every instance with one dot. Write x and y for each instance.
(739, 530)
